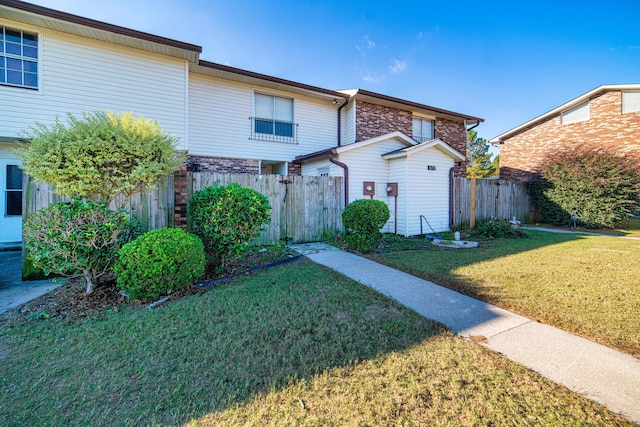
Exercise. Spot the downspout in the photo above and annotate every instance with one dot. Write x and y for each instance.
(451, 200)
(346, 175)
(346, 101)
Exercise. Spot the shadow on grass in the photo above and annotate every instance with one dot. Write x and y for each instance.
(201, 354)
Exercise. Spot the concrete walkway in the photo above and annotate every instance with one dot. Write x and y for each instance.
(13, 291)
(598, 372)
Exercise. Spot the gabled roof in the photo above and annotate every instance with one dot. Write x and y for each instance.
(434, 143)
(378, 98)
(77, 25)
(574, 102)
(249, 77)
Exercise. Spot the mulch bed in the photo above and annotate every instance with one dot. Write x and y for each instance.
(69, 302)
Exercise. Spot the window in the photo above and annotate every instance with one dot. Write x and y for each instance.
(422, 129)
(13, 192)
(579, 113)
(630, 102)
(273, 119)
(18, 58)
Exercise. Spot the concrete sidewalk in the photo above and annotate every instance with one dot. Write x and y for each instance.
(13, 291)
(598, 372)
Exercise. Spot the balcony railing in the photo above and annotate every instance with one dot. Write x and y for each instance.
(422, 138)
(274, 130)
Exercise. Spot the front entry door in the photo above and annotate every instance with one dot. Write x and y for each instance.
(10, 201)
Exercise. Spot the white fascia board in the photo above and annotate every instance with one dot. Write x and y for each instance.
(434, 143)
(604, 88)
(398, 136)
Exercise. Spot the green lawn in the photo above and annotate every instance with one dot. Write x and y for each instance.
(294, 345)
(583, 284)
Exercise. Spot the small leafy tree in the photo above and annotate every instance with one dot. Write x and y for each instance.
(76, 237)
(100, 155)
(596, 184)
(226, 218)
(363, 220)
(480, 164)
(159, 262)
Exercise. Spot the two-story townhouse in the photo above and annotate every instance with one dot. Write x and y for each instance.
(607, 116)
(227, 119)
(53, 63)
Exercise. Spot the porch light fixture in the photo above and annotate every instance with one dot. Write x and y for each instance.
(335, 102)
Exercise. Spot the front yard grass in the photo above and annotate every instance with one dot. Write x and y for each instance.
(584, 284)
(294, 345)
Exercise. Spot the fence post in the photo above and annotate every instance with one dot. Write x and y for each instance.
(472, 203)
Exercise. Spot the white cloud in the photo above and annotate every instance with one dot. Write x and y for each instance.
(398, 66)
(370, 43)
(369, 77)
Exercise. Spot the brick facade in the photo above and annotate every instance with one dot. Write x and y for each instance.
(374, 120)
(222, 165)
(454, 134)
(521, 154)
(180, 194)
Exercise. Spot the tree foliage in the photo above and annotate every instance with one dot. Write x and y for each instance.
(76, 237)
(597, 185)
(480, 164)
(100, 155)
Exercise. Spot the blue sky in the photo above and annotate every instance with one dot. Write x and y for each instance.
(506, 62)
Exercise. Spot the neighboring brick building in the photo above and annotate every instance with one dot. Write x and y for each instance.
(606, 116)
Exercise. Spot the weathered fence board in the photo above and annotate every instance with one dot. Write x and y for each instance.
(497, 199)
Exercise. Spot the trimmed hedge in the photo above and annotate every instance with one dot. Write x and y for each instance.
(363, 220)
(159, 262)
(226, 218)
(599, 186)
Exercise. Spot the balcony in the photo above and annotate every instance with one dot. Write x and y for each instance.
(274, 130)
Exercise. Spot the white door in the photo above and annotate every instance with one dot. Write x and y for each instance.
(10, 201)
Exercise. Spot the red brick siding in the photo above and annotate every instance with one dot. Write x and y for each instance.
(222, 165)
(454, 134)
(294, 169)
(180, 194)
(375, 120)
(521, 154)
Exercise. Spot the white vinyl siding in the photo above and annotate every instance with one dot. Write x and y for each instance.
(398, 173)
(349, 123)
(630, 102)
(312, 168)
(220, 125)
(429, 190)
(80, 75)
(579, 113)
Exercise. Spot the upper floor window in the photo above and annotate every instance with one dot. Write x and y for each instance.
(273, 119)
(422, 129)
(18, 58)
(579, 113)
(630, 102)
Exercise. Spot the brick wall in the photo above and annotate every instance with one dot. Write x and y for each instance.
(374, 120)
(180, 194)
(521, 154)
(294, 169)
(454, 134)
(222, 165)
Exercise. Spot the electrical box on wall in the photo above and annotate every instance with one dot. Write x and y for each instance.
(392, 189)
(369, 188)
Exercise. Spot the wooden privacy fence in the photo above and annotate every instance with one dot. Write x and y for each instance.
(494, 199)
(303, 208)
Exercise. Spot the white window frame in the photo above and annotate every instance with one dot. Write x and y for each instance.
(630, 101)
(8, 190)
(23, 58)
(281, 130)
(576, 114)
(324, 171)
(422, 120)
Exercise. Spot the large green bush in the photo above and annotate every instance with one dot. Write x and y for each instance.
(159, 262)
(599, 186)
(76, 237)
(363, 220)
(100, 155)
(226, 218)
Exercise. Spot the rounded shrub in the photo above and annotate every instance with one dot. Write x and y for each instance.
(159, 262)
(597, 185)
(76, 237)
(226, 218)
(362, 220)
